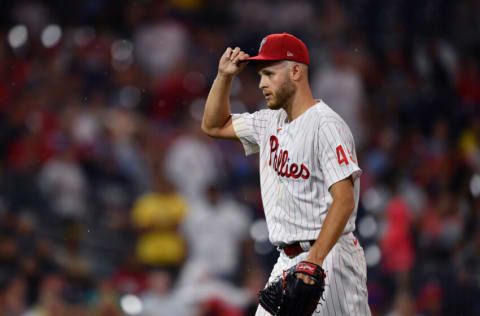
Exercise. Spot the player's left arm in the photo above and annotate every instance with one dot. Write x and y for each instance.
(338, 161)
(337, 217)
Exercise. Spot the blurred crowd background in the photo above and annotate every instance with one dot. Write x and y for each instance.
(112, 201)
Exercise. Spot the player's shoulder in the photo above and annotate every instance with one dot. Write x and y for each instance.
(269, 115)
(324, 114)
(265, 112)
(268, 112)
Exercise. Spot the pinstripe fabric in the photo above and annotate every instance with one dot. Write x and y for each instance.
(299, 161)
(345, 284)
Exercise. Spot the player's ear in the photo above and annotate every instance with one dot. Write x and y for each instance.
(296, 71)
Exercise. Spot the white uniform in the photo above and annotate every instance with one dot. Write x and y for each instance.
(299, 161)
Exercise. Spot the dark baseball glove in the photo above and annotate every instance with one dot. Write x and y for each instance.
(291, 296)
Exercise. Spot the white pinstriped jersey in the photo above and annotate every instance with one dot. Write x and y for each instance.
(299, 161)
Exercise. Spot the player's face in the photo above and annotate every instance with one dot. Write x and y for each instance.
(276, 85)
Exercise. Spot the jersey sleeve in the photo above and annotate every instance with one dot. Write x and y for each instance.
(249, 128)
(338, 159)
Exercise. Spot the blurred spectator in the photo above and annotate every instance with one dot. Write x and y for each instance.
(45, 255)
(129, 174)
(254, 281)
(467, 290)
(71, 258)
(86, 124)
(216, 307)
(440, 227)
(429, 300)
(396, 243)
(15, 297)
(159, 300)
(339, 84)
(216, 230)
(289, 15)
(26, 234)
(9, 257)
(156, 216)
(468, 261)
(105, 300)
(206, 290)
(378, 157)
(403, 305)
(130, 276)
(468, 81)
(160, 44)
(64, 183)
(50, 301)
(192, 162)
(469, 144)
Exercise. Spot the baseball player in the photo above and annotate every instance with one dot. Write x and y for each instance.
(309, 172)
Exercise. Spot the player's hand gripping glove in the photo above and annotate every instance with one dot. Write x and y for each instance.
(291, 296)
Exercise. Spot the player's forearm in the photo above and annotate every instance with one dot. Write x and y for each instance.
(333, 227)
(217, 106)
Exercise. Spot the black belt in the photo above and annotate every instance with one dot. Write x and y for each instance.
(293, 250)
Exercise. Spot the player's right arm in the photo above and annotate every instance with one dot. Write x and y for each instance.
(217, 118)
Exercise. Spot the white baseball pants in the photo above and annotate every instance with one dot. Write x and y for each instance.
(345, 283)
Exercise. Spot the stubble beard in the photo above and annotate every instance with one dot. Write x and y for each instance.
(283, 96)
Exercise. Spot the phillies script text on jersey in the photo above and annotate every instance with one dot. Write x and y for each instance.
(299, 160)
(281, 165)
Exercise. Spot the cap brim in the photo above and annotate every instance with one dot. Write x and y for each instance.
(260, 58)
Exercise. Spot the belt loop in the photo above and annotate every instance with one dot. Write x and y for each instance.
(305, 245)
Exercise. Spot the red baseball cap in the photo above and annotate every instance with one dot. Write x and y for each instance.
(282, 46)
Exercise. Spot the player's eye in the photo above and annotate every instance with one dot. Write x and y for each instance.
(268, 73)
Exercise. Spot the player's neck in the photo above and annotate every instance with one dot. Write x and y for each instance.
(301, 102)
